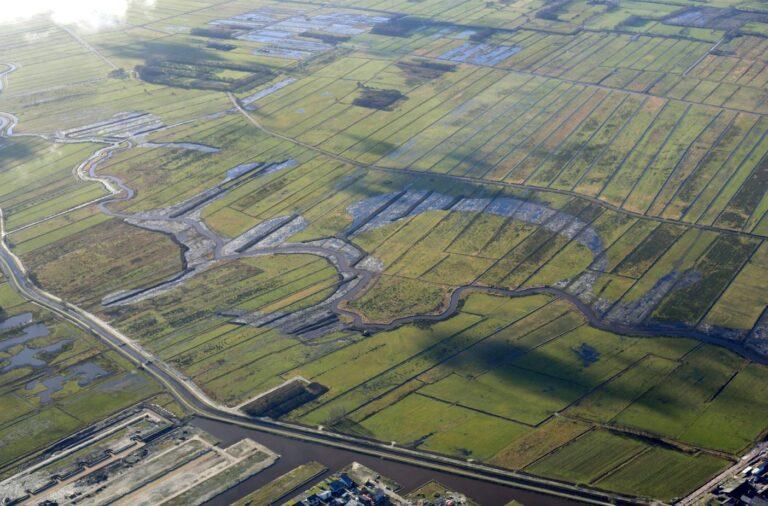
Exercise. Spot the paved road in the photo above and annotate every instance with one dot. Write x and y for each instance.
(198, 402)
(697, 497)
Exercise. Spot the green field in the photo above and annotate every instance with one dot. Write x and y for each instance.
(56, 379)
(591, 174)
(283, 484)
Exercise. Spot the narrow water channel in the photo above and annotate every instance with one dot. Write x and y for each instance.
(294, 453)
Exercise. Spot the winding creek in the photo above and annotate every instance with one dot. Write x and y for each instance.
(298, 444)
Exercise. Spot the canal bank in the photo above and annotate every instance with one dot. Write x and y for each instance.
(296, 452)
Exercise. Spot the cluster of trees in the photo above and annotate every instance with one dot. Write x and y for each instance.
(552, 10)
(220, 46)
(425, 69)
(328, 38)
(203, 75)
(610, 5)
(400, 26)
(375, 98)
(214, 33)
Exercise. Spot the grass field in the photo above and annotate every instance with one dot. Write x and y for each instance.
(283, 485)
(574, 158)
(55, 379)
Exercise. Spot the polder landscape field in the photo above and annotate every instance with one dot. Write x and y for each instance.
(526, 233)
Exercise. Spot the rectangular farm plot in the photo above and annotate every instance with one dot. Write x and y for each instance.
(627, 173)
(573, 259)
(744, 300)
(490, 131)
(733, 417)
(523, 162)
(660, 278)
(619, 392)
(588, 457)
(722, 149)
(611, 161)
(545, 439)
(656, 172)
(675, 404)
(476, 122)
(733, 204)
(509, 236)
(394, 241)
(380, 352)
(558, 157)
(692, 158)
(748, 200)
(663, 474)
(508, 392)
(584, 158)
(645, 254)
(442, 427)
(722, 184)
(588, 356)
(483, 229)
(34, 431)
(469, 352)
(262, 372)
(457, 269)
(524, 117)
(625, 244)
(715, 270)
(456, 351)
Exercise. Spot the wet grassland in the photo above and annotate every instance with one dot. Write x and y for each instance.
(596, 175)
(55, 379)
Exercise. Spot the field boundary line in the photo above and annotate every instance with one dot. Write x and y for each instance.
(484, 182)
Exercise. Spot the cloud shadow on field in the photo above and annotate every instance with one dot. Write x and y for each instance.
(159, 50)
(12, 152)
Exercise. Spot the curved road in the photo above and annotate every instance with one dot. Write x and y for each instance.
(198, 402)
(189, 394)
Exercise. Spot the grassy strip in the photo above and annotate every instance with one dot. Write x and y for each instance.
(282, 485)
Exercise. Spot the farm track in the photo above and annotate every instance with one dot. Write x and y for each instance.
(89, 47)
(194, 398)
